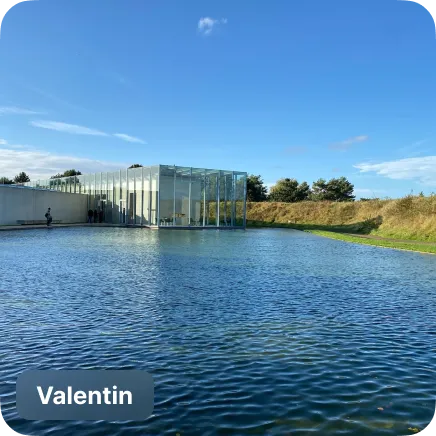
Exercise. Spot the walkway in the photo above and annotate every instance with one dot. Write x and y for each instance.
(43, 226)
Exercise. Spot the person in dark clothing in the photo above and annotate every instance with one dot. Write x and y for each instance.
(95, 215)
(90, 215)
(48, 217)
(100, 215)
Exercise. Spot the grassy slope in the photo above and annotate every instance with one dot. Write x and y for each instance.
(410, 218)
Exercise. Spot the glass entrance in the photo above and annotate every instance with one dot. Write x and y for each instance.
(122, 211)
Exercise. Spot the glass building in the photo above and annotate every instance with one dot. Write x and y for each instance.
(161, 196)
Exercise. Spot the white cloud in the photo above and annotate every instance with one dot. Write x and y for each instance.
(206, 24)
(42, 165)
(129, 138)
(422, 169)
(81, 130)
(67, 128)
(345, 145)
(13, 110)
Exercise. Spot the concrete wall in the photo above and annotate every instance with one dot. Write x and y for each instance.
(31, 204)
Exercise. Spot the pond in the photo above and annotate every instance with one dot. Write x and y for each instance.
(269, 331)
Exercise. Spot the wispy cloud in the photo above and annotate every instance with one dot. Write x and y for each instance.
(295, 150)
(14, 110)
(6, 144)
(67, 128)
(206, 25)
(129, 138)
(42, 165)
(82, 130)
(345, 145)
(421, 169)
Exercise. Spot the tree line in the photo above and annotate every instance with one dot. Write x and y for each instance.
(289, 190)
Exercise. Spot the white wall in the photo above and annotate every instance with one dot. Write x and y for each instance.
(31, 204)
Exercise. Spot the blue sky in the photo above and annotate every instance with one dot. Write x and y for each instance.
(278, 88)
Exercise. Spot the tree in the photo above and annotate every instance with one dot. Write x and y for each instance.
(21, 178)
(135, 166)
(6, 181)
(334, 190)
(303, 191)
(289, 191)
(70, 173)
(67, 173)
(256, 190)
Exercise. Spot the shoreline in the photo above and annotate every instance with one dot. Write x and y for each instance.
(423, 247)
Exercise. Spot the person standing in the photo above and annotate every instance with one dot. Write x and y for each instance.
(48, 217)
(100, 215)
(90, 215)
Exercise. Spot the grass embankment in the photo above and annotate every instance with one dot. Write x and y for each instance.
(403, 223)
(399, 245)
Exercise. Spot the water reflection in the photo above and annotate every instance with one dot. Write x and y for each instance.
(256, 332)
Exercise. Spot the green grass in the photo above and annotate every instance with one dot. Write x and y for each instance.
(412, 246)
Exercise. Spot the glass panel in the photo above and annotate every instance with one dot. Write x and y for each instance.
(211, 197)
(146, 198)
(182, 181)
(132, 195)
(197, 191)
(110, 198)
(79, 184)
(116, 203)
(103, 196)
(123, 185)
(239, 199)
(98, 191)
(86, 184)
(166, 195)
(138, 195)
(222, 203)
(154, 206)
(92, 192)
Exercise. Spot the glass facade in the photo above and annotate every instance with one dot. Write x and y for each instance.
(161, 195)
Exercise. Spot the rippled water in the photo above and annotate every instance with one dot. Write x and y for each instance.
(272, 332)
